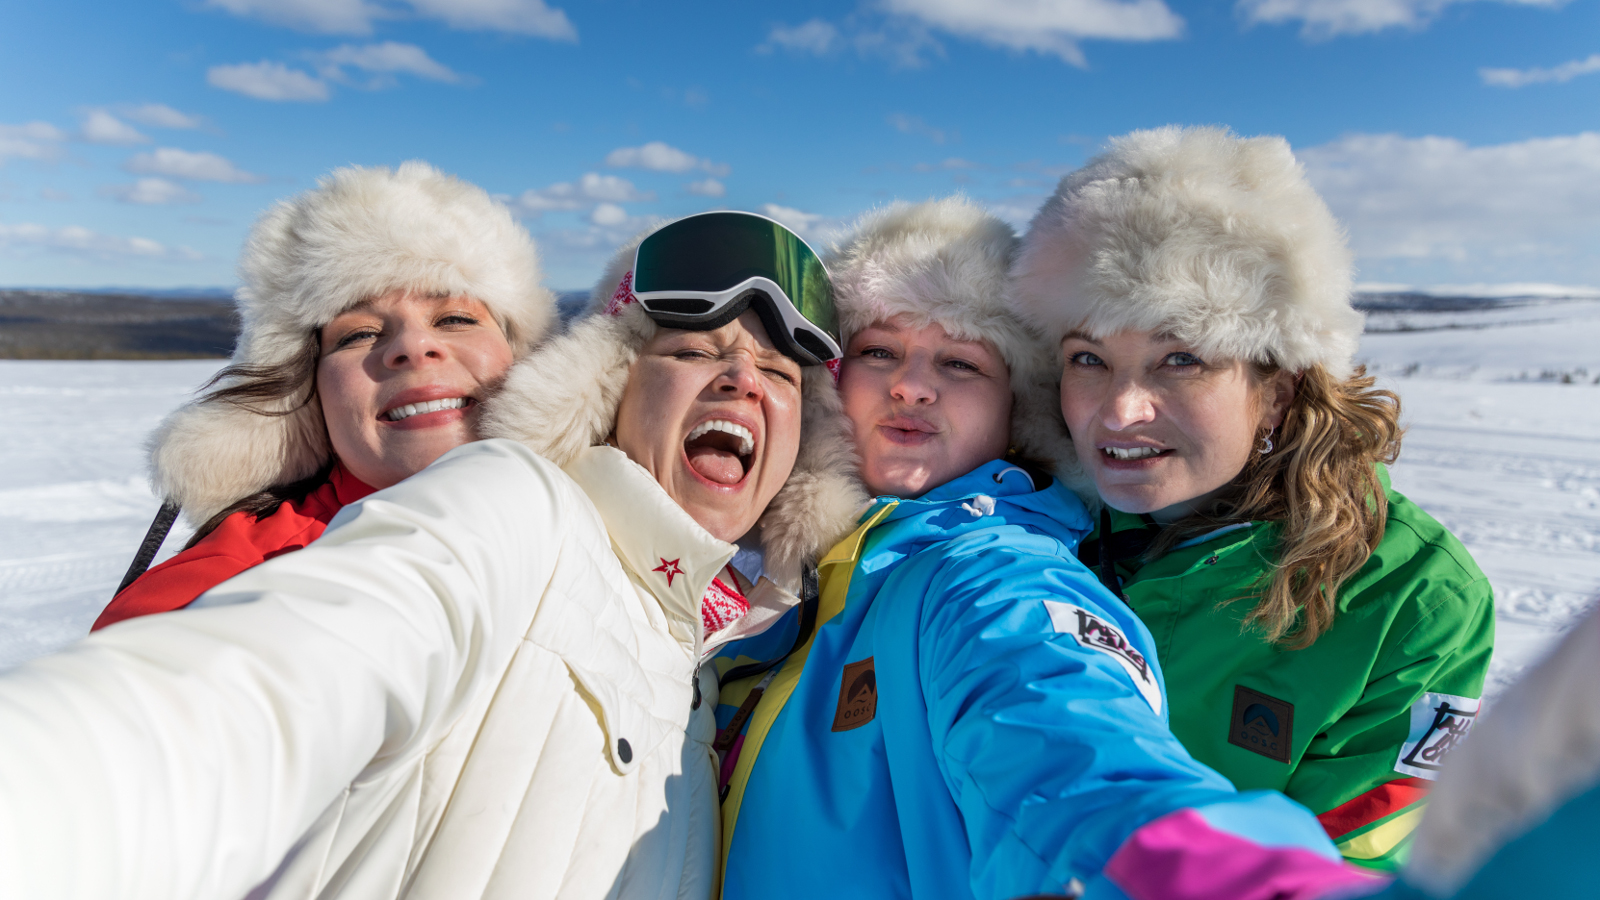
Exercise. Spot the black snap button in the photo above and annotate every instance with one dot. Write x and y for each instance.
(624, 752)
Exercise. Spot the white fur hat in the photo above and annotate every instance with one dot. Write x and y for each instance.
(946, 262)
(361, 233)
(564, 397)
(1215, 238)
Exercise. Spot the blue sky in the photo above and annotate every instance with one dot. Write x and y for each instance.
(1458, 141)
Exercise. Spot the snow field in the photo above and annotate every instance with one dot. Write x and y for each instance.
(1499, 449)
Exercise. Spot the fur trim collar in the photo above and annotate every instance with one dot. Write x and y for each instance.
(564, 397)
(1215, 238)
(362, 233)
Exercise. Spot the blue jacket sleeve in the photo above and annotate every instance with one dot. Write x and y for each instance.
(1053, 746)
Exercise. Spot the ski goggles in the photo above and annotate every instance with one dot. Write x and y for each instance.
(702, 272)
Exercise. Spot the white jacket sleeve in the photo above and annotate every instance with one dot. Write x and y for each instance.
(182, 755)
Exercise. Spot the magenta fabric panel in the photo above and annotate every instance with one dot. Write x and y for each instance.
(1181, 857)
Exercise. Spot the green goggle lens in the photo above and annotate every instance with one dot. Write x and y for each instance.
(713, 252)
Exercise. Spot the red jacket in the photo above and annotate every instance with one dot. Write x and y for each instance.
(240, 542)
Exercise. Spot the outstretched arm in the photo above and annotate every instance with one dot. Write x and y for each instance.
(183, 755)
(1044, 706)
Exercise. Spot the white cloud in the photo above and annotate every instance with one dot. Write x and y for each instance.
(608, 214)
(54, 195)
(1053, 29)
(79, 241)
(709, 187)
(1322, 19)
(151, 192)
(908, 124)
(33, 140)
(387, 58)
(660, 157)
(267, 81)
(326, 16)
(201, 166)
(101, 127)
(1515, 78)
(531, 17)
(591, 189)
(816, 36)
(1436, 198)
(159, 115)
(814, 227)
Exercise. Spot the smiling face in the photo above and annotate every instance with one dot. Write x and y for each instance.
(400, 378)
(715, 417)
(1159, 429)
(926, 407)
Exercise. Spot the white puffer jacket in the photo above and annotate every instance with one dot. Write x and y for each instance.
(478, 683)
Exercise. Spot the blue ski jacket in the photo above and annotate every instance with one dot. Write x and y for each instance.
(975, 716)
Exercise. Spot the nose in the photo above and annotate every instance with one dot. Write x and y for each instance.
(913, 382)
(411, 344)
(739, 379)
(1128, 404)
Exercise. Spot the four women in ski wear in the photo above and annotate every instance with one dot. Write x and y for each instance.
(966, 710)
(1321, 634)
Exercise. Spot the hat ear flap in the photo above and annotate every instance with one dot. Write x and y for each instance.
(210, 454)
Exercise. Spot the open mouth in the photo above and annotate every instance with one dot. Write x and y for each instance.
(1127, 454)
(720, 451)
(401, 413)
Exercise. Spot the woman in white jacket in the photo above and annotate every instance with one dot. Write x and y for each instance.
(483, 681)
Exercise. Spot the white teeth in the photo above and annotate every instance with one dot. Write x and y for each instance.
(1132, 452)
(747, 441)
(412, 409)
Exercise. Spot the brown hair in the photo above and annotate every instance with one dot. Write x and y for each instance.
(276, 390)
(1320, 486)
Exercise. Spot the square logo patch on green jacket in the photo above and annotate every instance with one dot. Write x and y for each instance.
(1261, 724)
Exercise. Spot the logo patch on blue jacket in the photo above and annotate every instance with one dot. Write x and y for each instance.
(1096, 633)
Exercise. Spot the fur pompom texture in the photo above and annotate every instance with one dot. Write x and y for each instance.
(362, 233)
(1216, 239)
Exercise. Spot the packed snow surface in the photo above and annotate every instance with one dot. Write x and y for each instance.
(1503, 447)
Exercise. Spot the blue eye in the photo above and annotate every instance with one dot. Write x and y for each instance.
(1183, 360)
(1085, 358)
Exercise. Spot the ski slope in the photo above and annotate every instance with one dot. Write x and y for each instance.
(1503, 447)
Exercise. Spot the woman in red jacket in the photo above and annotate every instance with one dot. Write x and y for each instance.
(378, 311)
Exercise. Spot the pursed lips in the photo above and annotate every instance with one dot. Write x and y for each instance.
(907, 430)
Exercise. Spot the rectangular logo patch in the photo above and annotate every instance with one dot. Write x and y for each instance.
(1096, 633)
(858, 696)
(1438, 723)
(1261, 724)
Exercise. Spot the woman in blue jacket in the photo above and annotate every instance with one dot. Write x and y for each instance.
(966, 712)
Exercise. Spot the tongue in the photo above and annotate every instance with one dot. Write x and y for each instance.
(716, 465)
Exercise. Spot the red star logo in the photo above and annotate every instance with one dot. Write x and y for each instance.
(670, 568)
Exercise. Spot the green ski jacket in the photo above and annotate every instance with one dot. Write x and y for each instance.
(1354, 726)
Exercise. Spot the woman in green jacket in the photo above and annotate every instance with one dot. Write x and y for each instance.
(1320, 633)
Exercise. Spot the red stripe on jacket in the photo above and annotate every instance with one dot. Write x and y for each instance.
(1383, 800)
(241, 542)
